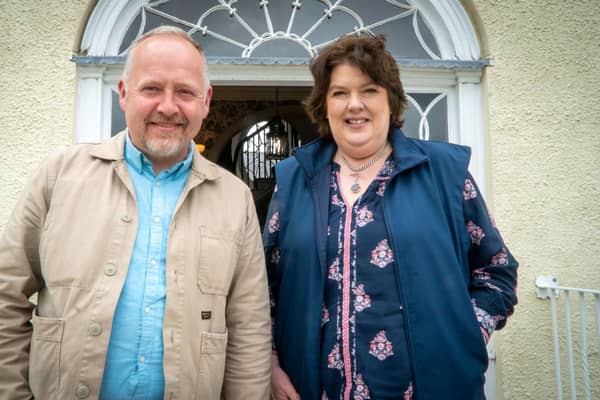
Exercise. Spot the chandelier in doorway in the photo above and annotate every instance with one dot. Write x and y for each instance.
(276, 146)
(277, 135)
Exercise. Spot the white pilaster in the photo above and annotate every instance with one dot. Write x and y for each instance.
(471, 126)
(89, 104)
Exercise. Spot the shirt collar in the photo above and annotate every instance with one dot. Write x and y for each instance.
(138, 160)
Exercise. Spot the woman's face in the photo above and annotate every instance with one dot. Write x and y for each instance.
(358, 111)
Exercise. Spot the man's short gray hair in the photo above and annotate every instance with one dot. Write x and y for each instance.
(164, 30)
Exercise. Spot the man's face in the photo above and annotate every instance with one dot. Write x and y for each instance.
(165, 98)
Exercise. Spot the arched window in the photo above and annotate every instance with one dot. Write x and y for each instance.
(270, 42)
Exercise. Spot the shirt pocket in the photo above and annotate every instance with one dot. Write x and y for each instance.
(216, 261)
(44, 355)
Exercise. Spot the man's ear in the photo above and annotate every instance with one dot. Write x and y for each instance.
(207, 98)
(122, 93)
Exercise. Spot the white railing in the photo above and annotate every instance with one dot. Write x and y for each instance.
(547, 287)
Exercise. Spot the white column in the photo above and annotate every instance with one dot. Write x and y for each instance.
(89, 104)
(470, 105)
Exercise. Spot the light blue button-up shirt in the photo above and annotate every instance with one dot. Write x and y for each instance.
(134, 363)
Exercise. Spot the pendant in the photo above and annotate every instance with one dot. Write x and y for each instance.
(355, 188)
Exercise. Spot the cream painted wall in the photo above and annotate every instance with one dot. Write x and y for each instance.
(38, 87)
(544, 145)
(544, 158)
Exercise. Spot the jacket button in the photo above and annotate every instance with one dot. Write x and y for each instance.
(94, 329)
(125, 218)
(82, 391)
(110, 269)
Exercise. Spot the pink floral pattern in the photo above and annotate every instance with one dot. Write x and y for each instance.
(469, 191)
(363, 217)
(334, 270)
(476, 233)
(486, 321)
(387, 169)
(361, 391)
(381, 348)
(361, 299)
(492, 286)
(480, 273)
(501, 258)
(382, 255)
(336, 201)
(324, 316)
(381, 188)
(334, 359)
(274, 222)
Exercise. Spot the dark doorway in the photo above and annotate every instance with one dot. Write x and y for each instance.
(250, 129)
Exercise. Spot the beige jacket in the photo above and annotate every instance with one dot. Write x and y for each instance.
(70, 238)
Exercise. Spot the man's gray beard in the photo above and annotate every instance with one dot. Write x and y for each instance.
(161, 150)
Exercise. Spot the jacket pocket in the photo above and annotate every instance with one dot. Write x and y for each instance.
(44, 356)
(211, 369)
(217, 261)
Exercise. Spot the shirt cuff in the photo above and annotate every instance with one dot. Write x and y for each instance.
(487, 323)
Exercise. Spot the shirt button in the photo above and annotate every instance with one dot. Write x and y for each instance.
(153, 261)
(156, 220)
(94, 329)
(142, 359)
(157, 183)
(82, 391)
(147, 309)
(126, 218)
(110, 269)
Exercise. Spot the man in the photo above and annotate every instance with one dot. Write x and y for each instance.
(145, 256)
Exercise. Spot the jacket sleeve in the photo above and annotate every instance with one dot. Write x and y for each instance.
(492, 268)
(20, 278)
(248, 364)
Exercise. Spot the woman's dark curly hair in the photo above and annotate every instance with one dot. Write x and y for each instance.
(368, 53)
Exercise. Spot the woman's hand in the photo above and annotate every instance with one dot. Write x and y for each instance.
(281, 387)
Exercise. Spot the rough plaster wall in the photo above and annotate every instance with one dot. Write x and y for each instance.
(544, 146)
(38, 87)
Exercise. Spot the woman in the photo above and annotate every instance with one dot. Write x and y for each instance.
(387, 273)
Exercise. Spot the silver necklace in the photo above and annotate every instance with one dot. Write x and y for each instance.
(355, 187)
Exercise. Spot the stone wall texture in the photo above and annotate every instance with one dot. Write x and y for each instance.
(542, 132)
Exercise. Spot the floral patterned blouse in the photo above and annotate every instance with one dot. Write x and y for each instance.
(364, 351)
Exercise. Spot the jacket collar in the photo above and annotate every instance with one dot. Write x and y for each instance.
(315, 155)
(114, 150)
(407, 154)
